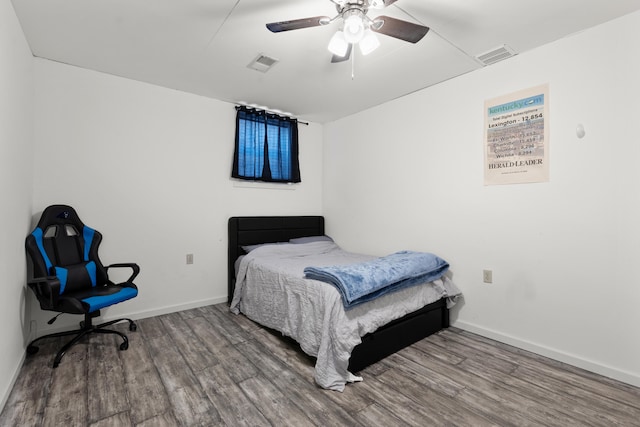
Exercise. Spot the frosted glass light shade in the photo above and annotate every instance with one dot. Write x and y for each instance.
(369, 42)
(353, 28)
(338, 45)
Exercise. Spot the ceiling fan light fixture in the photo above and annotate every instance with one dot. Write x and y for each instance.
(338, 45)
(354, 26)
(369, 42)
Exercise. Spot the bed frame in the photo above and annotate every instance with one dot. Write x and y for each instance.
(388, 339)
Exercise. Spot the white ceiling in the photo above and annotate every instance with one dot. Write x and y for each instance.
(204, 46)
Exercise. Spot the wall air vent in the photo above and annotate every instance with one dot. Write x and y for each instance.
(495, 55)
(262, 63)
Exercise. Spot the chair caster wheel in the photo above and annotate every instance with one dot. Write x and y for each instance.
(133, 327)
(32, 349)
(124, 346)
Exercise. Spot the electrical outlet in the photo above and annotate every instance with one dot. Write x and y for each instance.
(487, 276)
(189, 258)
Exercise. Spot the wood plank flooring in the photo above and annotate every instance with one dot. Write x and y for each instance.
(207, 367)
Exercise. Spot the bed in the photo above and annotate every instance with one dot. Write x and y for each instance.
(372, 346)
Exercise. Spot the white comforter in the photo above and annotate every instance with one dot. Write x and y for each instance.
(271, 290)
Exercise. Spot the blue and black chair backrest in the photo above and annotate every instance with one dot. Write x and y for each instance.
(62, 246)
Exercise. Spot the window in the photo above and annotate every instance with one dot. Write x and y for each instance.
(266, 147)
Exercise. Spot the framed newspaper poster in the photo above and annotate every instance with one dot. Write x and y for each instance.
(516, 139)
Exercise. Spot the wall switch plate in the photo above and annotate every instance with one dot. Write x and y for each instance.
(189, 258)
(487, 276)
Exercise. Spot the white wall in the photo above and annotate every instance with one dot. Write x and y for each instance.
(16, 157)
(409, 175)
(149, 167)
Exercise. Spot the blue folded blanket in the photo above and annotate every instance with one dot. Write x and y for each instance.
(365, 281)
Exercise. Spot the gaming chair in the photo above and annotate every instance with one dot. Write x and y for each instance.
(67, 276)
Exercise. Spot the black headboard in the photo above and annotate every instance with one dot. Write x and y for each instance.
(251, 230)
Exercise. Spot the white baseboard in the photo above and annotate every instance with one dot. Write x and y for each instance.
(171, 308)
(598, 368)
(137, 315)
(14, 378)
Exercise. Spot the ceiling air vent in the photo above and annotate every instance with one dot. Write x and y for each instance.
(262, 63)
(495, 55)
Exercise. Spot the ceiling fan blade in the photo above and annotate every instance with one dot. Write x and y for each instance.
(400, 29)
(336, 58)
(296, 24)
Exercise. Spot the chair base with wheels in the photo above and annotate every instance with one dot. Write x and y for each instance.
(86, 328)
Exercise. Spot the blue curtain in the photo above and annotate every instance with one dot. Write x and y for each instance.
(266, 147)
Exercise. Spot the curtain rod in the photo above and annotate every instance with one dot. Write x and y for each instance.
(270, 112)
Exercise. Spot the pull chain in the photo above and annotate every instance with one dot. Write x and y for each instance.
(353, 63)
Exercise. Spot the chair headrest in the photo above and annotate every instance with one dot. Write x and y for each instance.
(58, 215)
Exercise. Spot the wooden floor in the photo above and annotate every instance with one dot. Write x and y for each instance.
(207, 367)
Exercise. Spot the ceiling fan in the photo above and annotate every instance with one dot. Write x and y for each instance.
(357, 27)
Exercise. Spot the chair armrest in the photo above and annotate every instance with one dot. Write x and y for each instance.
(46, 289)
(131, 265)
